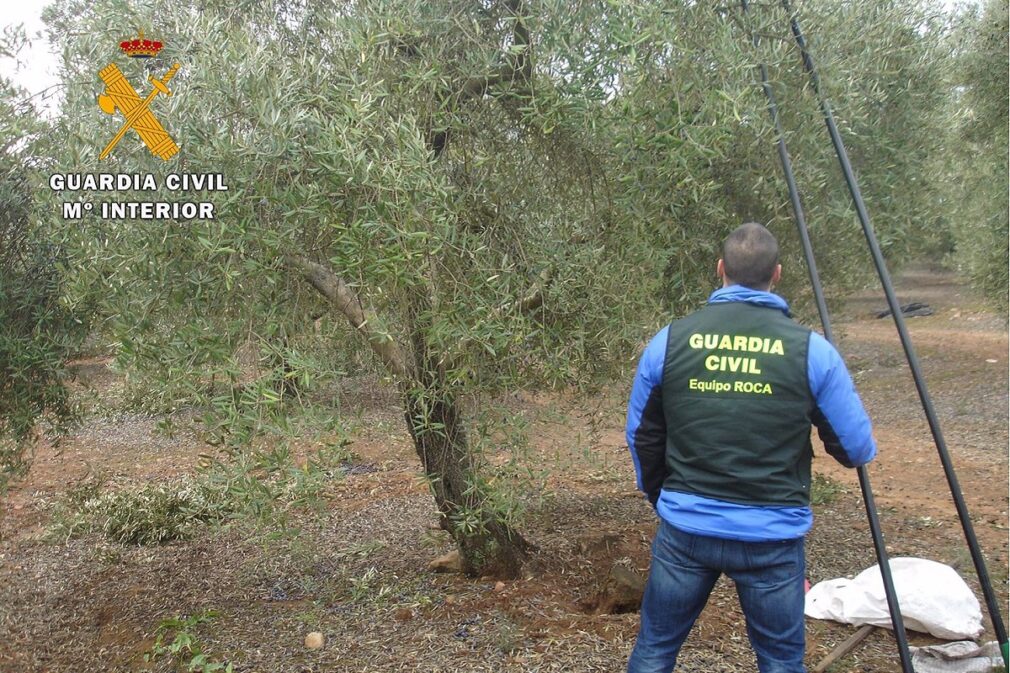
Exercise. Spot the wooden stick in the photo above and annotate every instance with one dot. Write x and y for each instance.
(844, 648)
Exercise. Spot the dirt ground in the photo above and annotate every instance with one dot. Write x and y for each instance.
(358, 571)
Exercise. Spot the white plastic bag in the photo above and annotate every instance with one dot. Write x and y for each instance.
(933, 599)
(962, 656)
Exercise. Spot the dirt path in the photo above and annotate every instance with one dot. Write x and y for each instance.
(357, 572)
(963, 355)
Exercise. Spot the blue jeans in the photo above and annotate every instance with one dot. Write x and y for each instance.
(769, 583)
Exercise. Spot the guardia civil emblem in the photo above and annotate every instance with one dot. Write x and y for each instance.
(121, 97)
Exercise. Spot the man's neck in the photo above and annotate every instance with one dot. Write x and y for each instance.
(728, 283)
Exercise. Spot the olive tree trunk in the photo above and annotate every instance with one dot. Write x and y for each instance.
(486, 544)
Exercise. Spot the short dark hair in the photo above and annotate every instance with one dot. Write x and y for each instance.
(750, 255)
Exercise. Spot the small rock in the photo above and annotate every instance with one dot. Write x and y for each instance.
(447, 563)
(314, 640)
(499, 586)
(404, 614)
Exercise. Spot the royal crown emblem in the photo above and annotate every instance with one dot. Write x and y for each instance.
(139, 47)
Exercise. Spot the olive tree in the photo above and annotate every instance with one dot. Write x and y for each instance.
(487, 196)
(689, 126)
(397, 164)
(37, 331)
(977, 170)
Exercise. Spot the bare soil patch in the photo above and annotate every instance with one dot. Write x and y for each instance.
(358, 571)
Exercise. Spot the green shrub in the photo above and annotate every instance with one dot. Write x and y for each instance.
(258, 484)
(824, 490)
(150, 514)
(184, 646)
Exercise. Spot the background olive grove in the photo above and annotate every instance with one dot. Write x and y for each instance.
(471, 198)
(978, 158)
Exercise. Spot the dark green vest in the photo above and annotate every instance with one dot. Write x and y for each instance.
(737, 404)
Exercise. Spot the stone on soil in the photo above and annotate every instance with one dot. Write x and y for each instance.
(447, 563)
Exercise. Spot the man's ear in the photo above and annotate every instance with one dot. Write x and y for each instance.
(720, 269)
(777, 274)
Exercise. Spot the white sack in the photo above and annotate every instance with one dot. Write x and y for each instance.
(933, 599)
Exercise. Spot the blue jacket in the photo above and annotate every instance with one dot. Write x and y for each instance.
(842, 424)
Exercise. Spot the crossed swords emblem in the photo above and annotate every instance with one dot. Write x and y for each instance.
(120, 94)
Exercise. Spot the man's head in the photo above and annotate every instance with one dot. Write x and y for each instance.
(750, 257)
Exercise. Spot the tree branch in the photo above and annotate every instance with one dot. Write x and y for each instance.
(522, 64)
(347, 301)
(529, 302)
(533, 299)
(517, 67)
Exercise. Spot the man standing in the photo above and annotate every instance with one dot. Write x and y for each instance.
(719, 430)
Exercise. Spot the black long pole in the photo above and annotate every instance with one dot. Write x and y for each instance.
(906, 342)
(822, 309)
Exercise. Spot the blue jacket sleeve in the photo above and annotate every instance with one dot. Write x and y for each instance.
(646, 426)
(838, 414)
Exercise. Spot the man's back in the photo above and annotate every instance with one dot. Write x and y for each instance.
(737, 403)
